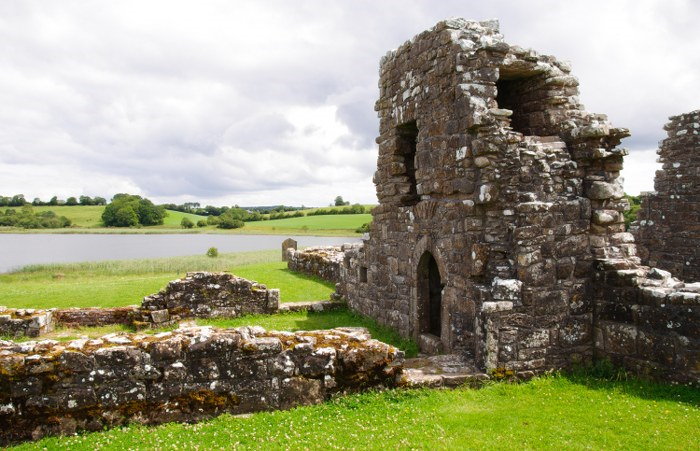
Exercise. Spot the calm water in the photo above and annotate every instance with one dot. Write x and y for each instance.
(17, 250)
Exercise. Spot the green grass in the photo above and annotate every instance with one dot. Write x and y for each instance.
(549, 412)
(292, 321)
(175, 217)
(126, 282)
(315, 321)
(346, 223)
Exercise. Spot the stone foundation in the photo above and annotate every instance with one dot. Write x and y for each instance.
(49, 388)
(668, 225)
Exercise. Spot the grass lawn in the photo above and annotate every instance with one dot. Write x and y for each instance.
(549, 412)
(126, 282)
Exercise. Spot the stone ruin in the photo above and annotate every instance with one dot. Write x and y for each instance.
(499, 233)
(668, 225)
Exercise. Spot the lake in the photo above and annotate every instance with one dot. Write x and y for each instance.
(17, 250)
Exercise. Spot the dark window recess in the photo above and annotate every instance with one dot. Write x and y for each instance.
(515, 93)
(363, 274)
(406, 149)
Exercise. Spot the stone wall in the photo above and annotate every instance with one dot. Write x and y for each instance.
(95, 316)
(647, 321)
(320, 261)
(25, 322)
(208, 295)
(50, 388)
(668, 225)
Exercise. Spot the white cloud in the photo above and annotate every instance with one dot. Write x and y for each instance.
(267, 102)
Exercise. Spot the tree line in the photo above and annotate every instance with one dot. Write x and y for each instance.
(18, 200)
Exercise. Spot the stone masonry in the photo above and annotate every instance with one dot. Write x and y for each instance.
(50, 388)
(499, 199)
(668, 225)
(321, 261)
(208, 295)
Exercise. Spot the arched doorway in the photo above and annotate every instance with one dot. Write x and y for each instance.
(430, 287)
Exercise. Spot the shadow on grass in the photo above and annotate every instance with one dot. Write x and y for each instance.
(604, 376)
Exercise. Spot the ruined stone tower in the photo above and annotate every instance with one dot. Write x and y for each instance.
(499, 196)
(668, 226)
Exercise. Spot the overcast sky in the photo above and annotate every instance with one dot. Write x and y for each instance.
(268, 102)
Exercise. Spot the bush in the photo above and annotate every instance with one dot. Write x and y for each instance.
(631, 214)
(364, 228)
(230, 223)
(213, 220)
(128, 210)
(186, 223)
(212, 252)
(202, 223)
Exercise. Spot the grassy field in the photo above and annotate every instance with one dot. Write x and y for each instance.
(87, 219)
(555, 412)
(118, 283)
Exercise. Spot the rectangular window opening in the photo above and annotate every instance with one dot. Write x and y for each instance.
(363, 274)
(406, 149)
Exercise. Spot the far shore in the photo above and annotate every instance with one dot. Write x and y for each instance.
(160, 231)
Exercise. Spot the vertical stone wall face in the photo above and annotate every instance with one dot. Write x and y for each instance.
(668, 225)
(25, 322)
(59, 388)
(647, 321)
(208, 295)
(516, 186)
(321, 261)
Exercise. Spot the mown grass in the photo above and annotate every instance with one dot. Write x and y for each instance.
(555, 412)
(126, 282)
(325, 222)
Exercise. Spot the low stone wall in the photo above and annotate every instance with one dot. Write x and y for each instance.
(321, 261)
(190, 374)
(95, 316)
(208, 295)
(647, 321)
(25, 322)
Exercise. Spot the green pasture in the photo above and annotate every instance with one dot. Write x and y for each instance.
(119, 283)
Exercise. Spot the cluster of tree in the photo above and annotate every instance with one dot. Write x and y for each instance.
(18, 200)
(26, 218)
(187, 223)
(128, 210)
(339, 202)
(354, 209)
